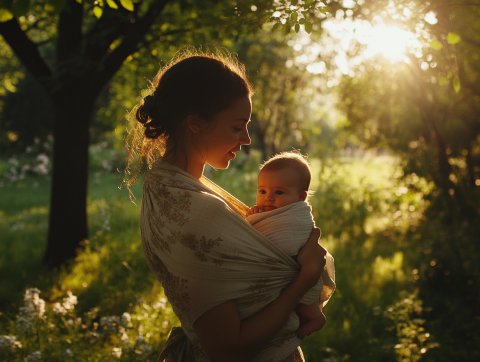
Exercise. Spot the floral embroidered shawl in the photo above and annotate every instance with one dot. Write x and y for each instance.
(200, 247)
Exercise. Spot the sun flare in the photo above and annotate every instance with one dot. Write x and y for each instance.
(389, 41)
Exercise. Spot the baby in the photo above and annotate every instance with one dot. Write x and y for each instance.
(284, 217)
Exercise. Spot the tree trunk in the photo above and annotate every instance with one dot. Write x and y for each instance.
(68, 203)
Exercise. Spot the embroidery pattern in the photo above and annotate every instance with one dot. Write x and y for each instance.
(200, 247)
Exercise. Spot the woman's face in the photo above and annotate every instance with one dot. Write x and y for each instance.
(228, 133)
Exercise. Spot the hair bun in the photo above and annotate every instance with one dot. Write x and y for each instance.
(146, 111)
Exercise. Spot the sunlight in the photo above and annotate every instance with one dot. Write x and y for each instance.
(388, 41)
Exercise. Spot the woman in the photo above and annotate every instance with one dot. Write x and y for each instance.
(234, 292)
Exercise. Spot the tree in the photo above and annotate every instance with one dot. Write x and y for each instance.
(88, 52)
(91, 40)
(279, 115)
(426, 110)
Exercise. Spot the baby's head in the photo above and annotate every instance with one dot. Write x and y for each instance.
(283, 179)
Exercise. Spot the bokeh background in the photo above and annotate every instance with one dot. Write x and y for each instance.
(384, 98)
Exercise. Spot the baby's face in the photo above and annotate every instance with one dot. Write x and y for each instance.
(278, 188)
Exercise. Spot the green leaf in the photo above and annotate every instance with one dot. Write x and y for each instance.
(323, 10)
(453, 38)
(286, 28)
(436, 45)
(308, 27)
(301, 21)
(443, 81)
(294, 16)
(127, 4)
(54, 6)
(112, 4)
(275, 26)
(20, 7)
(5, 15)
(297, 27)
(456, 84)
(97, 11)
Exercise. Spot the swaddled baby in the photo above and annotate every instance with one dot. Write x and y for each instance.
(284, 217)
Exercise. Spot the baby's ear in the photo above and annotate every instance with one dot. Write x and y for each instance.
(303, 196)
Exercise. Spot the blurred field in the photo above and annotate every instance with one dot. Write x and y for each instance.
(365, 211)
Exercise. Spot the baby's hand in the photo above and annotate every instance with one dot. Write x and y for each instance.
(254, 210)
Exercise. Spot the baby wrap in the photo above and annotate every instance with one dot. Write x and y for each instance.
(200, 247)
(288, 227)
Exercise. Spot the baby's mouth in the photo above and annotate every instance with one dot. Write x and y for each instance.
(269, 207)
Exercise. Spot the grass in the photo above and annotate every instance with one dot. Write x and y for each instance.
(368, 219)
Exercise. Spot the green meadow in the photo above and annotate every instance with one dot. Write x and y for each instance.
(368, 214)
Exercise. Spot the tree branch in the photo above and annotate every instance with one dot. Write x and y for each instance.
(69, 32)
(26, 51)
(109, 27)
(134, 33)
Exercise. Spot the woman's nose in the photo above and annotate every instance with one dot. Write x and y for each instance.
(245, 138)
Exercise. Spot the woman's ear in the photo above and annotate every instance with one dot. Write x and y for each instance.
(303, 196)
(194, 123)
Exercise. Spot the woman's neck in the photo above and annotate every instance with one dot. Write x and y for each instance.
(185, 159)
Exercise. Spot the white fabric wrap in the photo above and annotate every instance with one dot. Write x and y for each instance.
(200, 247)
(288, 227)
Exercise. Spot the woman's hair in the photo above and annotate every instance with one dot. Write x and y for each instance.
(195, 82)
(294, 160)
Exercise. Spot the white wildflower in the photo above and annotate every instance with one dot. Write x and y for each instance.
(106, 166)
(70, 302)
(58, 309)
(43, 158)
(68, 353)
(34, 357)
(117, 352)
(126, 345)
(126, 320)
(9, 344)
(41, 169)
(33, 301)
(110, 324)
(13, 161)
(94, 337)
(24, 325)
(28, 312)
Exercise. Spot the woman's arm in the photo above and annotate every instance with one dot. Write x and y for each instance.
(224, 337)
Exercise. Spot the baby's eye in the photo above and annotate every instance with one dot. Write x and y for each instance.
(261, 192)
(279, 192)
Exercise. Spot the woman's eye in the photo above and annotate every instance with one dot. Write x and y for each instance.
(238, 129)
(279, 192)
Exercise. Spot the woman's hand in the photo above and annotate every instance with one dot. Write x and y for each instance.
(312, 258)
(225, 337)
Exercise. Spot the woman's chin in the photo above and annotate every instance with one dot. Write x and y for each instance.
(220, 165)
